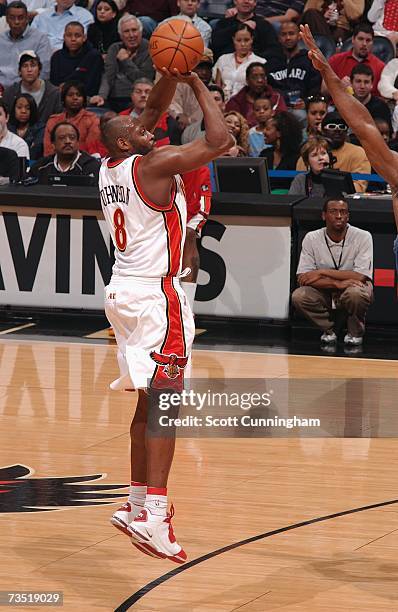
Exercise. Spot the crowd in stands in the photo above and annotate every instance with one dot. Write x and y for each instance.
(79, 61)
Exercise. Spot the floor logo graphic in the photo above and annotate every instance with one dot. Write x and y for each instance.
(21, 493)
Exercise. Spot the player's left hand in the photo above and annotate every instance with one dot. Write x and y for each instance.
(319, 61)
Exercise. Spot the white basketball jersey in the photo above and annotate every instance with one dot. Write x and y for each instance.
(149, 239)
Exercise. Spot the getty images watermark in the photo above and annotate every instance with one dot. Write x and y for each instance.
(230, 408)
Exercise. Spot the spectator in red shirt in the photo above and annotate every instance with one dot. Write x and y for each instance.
(257, 87)
(362, 43)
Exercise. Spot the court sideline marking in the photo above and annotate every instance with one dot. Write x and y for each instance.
(127, 604)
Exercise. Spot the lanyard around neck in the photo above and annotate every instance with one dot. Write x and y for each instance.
(336, 265)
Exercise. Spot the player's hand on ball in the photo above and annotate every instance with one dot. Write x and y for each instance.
(314, 53)
(176, 75)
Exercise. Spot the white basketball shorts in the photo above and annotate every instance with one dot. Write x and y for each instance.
(154, 331)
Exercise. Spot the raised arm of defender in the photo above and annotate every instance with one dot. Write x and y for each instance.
(382, 159)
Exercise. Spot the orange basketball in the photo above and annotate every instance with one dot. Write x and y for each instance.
(176, 44)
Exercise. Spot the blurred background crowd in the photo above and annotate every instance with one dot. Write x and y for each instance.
(67, 67)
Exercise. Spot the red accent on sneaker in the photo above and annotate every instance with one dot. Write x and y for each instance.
(126, 507)
(142, 516)
(156, 491)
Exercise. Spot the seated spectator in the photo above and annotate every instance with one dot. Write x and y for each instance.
(103, 32)
(96, 148)
(151, 13)
(23, 122)
(77, 60)
(384, 16)
(7, 138)
(265, 43)
(335, 271)
(67, 159)
(53, 21)
(284, 134)
(316, 156)
(279, 11)
(263, 111)
(240, 131)
(125, 62)
(188, 11)
(75, 101)
(35, 7)
(21, 37)
(229, 71)
(46, 95)
(362, 85)
(166, 131)
(293, 73)
(197, 130)
(316, 107)
(349, 157)
(362, 43)
(332, 18)
(9, 166)
(184, 107)
(256, 87)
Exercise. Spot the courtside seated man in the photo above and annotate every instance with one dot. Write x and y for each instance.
(144, 205)
(381, 158)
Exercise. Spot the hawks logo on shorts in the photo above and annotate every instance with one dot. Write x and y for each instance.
(171, 363)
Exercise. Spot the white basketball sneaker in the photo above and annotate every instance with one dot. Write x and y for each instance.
(155, 534)
(121, 519)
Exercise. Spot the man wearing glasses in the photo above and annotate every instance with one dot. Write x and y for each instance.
(335, 272)
(349, 157)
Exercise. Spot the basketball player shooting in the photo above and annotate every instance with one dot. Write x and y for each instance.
(382, 159)
(144, 205)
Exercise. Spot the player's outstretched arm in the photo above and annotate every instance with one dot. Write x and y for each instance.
(382, 159)
(170, 160)
(158, 102)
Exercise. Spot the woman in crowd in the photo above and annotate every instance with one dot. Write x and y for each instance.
(316, 156)
(74, 100)
(283, 133)
(316, 107)
(103, 32)
(229, 71)
(239, 129)
(24, 123)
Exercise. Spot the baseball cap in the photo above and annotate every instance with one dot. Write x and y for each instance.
(26, 55)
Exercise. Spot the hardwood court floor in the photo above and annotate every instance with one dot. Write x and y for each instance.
(59, 419)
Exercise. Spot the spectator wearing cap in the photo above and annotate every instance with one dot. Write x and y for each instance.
(77, 60)
(188, 12)
(53, 21)
(20, 37)
(23, 122)
(256, 87)
(7, 138)
(46, 95)
(75, 101)
(151, 13)
(125, 62)
(265, 43)
(348, 157)
(185, 107)
(166, 131)
(229, 71)
(103, 32)
(293, 73)
(361, 53)
(67, 158)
